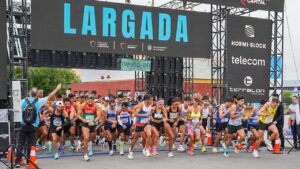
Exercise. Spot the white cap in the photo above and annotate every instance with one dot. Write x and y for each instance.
(106, 98)
(59, 103)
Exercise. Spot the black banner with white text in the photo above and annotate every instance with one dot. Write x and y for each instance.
(3, 51)
(248, 57)
(103, 27)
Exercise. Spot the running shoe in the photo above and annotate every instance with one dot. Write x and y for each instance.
(190, 151)
(148, 153)
(61, 149)
(221, 150)
(56, 156)
(111, 152)
(90, 152)
(130, 154)
(17, 165)
(170, 154)
(255, 154)
(269, 145)
(44, 147)
(226, 153)
(161, 141)
(154, 151)
(122, 152)
(144, 151)
(51, 149)
(86, 157)
(72, 147)
(215, 150)
(236, 149)
(181, 148)
(203, 149)
(240, 146)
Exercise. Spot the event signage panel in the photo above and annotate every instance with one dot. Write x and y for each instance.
(248, 57)
(95, 26)
(3, 51)
(269, 5)
(135, 65)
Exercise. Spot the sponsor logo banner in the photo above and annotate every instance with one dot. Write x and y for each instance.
(135, 65)
(248, 57)
(3, 51)
(94, 26)
(269, 5)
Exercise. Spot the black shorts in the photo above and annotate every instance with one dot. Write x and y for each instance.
(263, 126)
(140, 128)
(180, 123)
(251, 126)
(158, 126)
(53, 130)
(112, 130)
(233, 129)
(171, 124)
(125, 131)
(221, 126)
(204, 123)
(92, 128)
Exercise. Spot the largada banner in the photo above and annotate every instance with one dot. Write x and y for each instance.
(269, 5)
(248, 57)
(94, 26)
(3, 52)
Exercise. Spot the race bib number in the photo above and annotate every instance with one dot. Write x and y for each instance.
(57, 122)
(195, 121)
(158, 116)
(89, 118)
(173, 115)
(112, 118)
(269, 120)
(124, 120)
(238, 121)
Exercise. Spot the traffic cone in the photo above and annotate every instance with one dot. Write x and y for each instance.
(276, 149)
(32, 158)
(8, 156)
(209, 139)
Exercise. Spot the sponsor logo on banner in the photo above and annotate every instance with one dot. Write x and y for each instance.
(249, 51)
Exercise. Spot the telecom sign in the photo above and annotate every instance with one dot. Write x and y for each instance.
(248, 57)
(103, 27)
(269, 5)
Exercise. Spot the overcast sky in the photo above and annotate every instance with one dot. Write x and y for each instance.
(292, 14)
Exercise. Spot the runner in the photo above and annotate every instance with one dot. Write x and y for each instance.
(222, 119)
(43, 127)
(89, 114)
(124, 125)
(71, 112)
(157, 123)
(182, 122)
(266, 115)
(173, 115)
(235, 124)
(193, 125)
(207, 111)
(57, 121)
(253, 126)
(110, 124)
(142, 114)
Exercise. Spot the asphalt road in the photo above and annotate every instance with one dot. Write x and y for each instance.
(180, 161)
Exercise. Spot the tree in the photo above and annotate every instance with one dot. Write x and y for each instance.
(287, 97)
(48, 78)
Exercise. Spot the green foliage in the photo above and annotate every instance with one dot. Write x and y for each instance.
(287, 97)
(48, 78)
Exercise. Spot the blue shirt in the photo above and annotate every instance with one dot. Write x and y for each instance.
(38, 105)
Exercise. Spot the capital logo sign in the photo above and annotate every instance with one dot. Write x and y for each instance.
(256, 2)
(249, 31)
(248, 81)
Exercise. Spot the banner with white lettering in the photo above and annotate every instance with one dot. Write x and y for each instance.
(95, 26)
(248, 57)
(268, 5)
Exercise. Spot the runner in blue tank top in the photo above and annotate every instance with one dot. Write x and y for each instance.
(110, 124)
(235, 124)
(222, 118)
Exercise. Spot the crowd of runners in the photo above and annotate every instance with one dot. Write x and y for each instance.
(148, 122)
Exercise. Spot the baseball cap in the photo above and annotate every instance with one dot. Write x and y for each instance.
(106, 98)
